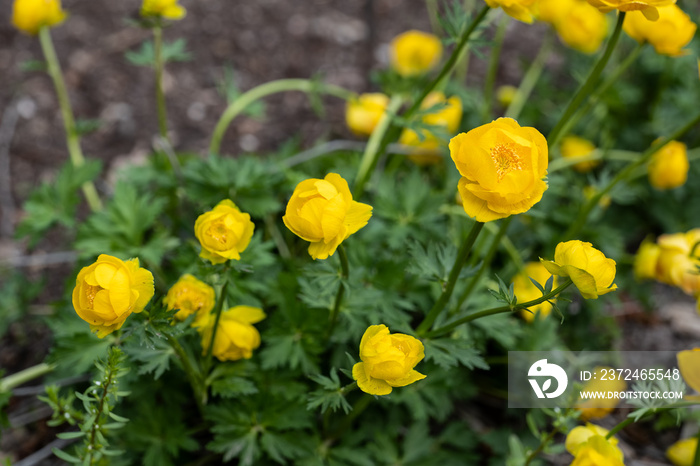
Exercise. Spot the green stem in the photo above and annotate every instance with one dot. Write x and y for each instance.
(587, 87)
(344, 274)
(462, 256)
(527, 85)
(624, 174)
(433, 16)
(217, 311)
(486, 262)
(541, 446)
(696, 458)
(598, 154)
(72, 136)
(498, 310)
(15, 380)
(160, 96)
(493, 68)
(595, 97)
(358, 409)
(375, 146)
(272, 87)
(193, 376)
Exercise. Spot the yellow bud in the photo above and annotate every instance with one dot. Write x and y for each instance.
(573, 147)
(223, 232)
(668, 167)
(168, 9)
(31, 15)
(582, 27)
(646, 260)
(415, 52)
(387, 361)
(588, 268)
(506, 94)
(190, 296)
(363, 114)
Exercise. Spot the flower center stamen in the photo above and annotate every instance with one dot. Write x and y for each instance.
(506, 159)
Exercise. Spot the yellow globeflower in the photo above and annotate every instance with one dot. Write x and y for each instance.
(600, 407)
(387, 361)
(236, 338)
(578, 436)
(668, 167)
(448, 117)
(363, 114)
(502, 166)
(522, 10)
(646, 260)
(415, 52)
(109, 290)
(323, 213)
(588, 268)
(31, 15)
(223, 232)
(525, 290)
(168, 9)
(682, 453)
(689, 365)
(668, 35)
(551, 11)
(574, 147)
(648, 7)
(583, 27)
(598, 451)
(678, 261)
(190, 296)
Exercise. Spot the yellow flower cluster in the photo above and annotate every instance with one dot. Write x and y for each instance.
(109, 290)
(590, 447)
(29, 16)
(674, 259)
(578, 24)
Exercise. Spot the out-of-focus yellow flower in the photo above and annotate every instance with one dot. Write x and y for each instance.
(689, 365)
(648, 7)
(502, 166)
(668, 35)
(682, 453)
(414, 53)
(578, 436)
(236, 338)
(645, 261)
(588, 268)
(109, 290)
(583, 27)
(551, 11)
(387, 360)
(505, 95)
(323, 213)
(598, 451)
(678, 261)
(447, 117)
(168, 9)
(223, 232)
(590, 191)
(190, 296)
(522, 10)
(525, 290)
(574, 147)
(31, 15)
(363, 114)
(601, 407)
(668, 167)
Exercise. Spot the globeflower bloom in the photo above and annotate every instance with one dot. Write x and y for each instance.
(588, 268)
(573, 147)
(668, 35)
(600, 407)
(387, 361)
(168, 9)
(190, 296)
(648, 7)
(236, 338)
(689, 365)
(525, 290)
(363, 113)
(682, 453)
(446, 118)
(645, 261)
(522, 10)
(109, 290)
(502, 166)
(323, 213)
(678, 261)
(223, 232)
(583, 27)
(590, 447)
(29, 16)
(668, 167)
(415, 52)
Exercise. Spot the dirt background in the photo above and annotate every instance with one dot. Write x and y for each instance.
(262, 40)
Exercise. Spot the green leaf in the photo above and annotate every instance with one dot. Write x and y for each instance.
(232, 387)
(154, 360)
(449, 353)
(65, 456)
(172, 52)
(70, 435)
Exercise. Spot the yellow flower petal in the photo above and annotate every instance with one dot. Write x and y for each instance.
(368, 384)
